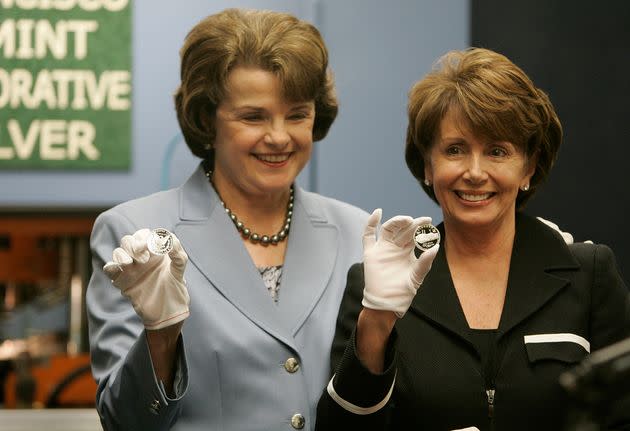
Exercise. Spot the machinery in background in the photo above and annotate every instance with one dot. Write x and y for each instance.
(44, 270)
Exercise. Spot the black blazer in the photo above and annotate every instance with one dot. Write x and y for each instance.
(440, 383)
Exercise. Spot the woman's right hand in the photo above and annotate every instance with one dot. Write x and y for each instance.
(392, 272)
(392, 275)
(153, 283)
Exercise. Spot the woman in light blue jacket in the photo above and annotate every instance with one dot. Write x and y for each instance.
(231, 329)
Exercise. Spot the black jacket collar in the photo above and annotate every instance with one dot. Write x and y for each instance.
(537, 253)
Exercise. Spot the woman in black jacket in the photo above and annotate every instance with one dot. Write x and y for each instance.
(504, 306)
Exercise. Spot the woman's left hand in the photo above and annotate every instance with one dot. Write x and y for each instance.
(566, 236)
(392, 272)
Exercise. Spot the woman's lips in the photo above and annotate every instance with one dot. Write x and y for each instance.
(474, 197)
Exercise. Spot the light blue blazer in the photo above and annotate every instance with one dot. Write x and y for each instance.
(232, 371)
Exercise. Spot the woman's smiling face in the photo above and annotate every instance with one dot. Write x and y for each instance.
(262, 140)
(475, 180)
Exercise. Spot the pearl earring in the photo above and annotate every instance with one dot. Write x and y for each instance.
(525, 187)
(427, 183)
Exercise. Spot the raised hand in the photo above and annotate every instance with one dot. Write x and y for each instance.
(392, 272)
(153, 283)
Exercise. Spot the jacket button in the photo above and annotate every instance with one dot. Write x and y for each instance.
(291, 365)
(297, 421)
(154, 407)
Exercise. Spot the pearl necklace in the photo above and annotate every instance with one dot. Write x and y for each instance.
(247, 232)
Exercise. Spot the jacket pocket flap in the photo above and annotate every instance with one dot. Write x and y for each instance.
(569, 348)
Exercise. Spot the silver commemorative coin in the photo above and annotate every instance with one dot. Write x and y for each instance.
(426, 236)
(160, 241)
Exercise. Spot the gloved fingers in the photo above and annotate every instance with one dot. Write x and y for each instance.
(136, 245)
(566, 236)
(112, 270)
(549, 223)
(369, 233)
(405, 237)
(419, 221)
(392, 228)
(178, 258)
(140, 239)
(120, 260)
(121, 257)
(421, 266)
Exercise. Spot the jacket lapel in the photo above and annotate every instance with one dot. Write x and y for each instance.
(214, 247)
(437, 299)
(309, 261)
(537, 253)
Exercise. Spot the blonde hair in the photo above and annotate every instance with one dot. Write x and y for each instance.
(495, 99)
(290, 48)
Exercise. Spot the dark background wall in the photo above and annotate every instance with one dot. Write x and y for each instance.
(578, 51)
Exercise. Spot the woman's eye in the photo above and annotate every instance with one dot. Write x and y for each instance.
(252, 117)
(298, 116)
(453, 150)
(498, 152)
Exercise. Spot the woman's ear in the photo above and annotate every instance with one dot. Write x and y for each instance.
(532, 164)
(428, 173)
(207, 118)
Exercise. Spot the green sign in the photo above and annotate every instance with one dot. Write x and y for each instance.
(65, 84)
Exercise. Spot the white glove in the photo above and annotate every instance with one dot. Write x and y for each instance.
(153, 283)
(568, 238)
(392, 272)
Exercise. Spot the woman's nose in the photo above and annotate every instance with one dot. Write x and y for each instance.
(475, 170)
(277, 135)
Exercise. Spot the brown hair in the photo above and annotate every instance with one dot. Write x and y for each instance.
(277, 42)
(495, 98)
